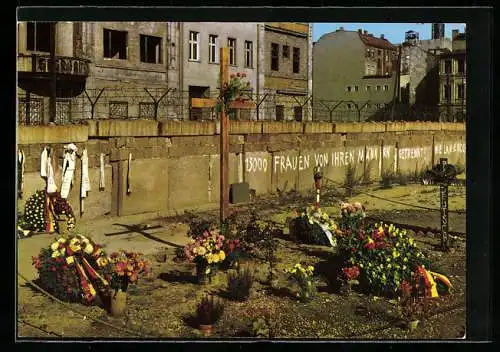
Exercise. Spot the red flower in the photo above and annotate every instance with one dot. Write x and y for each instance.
(243, 75)
(238, 74)
(370, 245)
(232, 75)
(351, 273)
(53, 268)
(354, 250)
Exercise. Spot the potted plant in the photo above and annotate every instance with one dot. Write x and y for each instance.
(206, 251)
(128, 267)
(208, 312)
(303, 277)
(350, 277)
(239, 283)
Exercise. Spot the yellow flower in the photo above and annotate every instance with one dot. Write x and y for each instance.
(293, 271)
(63, 251)
(222, 255)
(310, 268)
(102, 261)
(56, 254)
(54, 246)
(70, 260)
(395, 254)
(201, 250)
(405, 259)
(215, 258)
(410, 240)
(61, 240)
(75, 247)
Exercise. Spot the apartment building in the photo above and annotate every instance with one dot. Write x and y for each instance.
(453, 80)
(200, 61)
(355, 72)
(287, 62)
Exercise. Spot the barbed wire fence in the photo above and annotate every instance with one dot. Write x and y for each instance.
(158, 103)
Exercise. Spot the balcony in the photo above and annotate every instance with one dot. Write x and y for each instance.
(34, 74)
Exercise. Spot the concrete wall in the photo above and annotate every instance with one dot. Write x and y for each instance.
(175, 169)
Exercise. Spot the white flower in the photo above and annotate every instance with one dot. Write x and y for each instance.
(61, 240)
(89, 249)
(56, 254)
(54, 246)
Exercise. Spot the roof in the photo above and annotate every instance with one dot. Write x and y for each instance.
(376, 42)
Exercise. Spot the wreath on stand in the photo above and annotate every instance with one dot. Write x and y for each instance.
(232, 91)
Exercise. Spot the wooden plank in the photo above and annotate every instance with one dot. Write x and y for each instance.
(241, 104)
(224, 140)
(203, 103)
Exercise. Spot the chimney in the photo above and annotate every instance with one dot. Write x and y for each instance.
(365, 32)
(381, 36)
(454, 33)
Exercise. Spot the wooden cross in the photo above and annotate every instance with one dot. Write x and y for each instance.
(224, 129)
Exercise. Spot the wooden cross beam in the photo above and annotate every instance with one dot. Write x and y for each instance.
(224, 130)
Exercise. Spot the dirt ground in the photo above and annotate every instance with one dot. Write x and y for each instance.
(161, 305)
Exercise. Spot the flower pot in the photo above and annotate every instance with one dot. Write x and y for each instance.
(206, 329)
(201, 274)
(62, 225)
(118, 303)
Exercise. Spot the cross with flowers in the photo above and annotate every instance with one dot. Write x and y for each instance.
(230, 91)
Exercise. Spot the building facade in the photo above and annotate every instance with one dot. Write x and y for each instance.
(419, 72)
(354, 75)
(200, 62)
(453, 80)
(287, 68)
(126, 68)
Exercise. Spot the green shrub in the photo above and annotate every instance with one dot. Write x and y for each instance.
(239, 283)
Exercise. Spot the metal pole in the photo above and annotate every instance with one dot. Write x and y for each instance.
(224, 139)
(444, 205)
(53, 73)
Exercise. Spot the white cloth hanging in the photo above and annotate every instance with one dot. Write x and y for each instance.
(101, 176)
(69, 165)
(43, 163)
(21, 162)
(85, 173)
(51, 182)
(129, 188)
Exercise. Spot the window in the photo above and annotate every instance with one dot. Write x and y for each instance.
(447, 66)
(349, 106)
(231, 43)
(115, 44)
(379, 88)
(194, 46)
(212, 49)
(275, 51)
(118, 109)
(280, 112)
(368, 88)
(297, 113)
(38, 36)
(379, 52)
(151, 49)
(461, 91)
(146, 110)
(286, 51)
(386, 87)
(348, 88)
(296, 60)
(461, 66)
(248, 54)
(356, 88)
(447, 92)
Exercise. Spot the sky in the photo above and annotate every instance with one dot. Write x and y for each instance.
(394, 32)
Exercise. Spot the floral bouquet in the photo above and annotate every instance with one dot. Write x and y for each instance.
(234, 89)
(73, 269)
(42, 209)
(350, 276)
(232, 248)
(207, 252)
(303, 277)
(315, 226)
(127, 268)
(352, 216)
